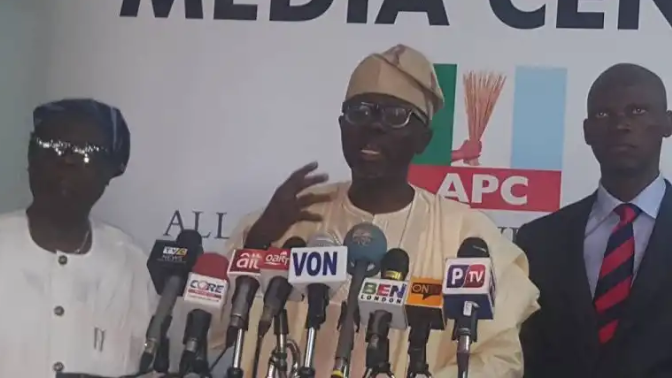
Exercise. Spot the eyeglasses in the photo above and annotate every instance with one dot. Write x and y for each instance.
(392, 116)
(89, 152)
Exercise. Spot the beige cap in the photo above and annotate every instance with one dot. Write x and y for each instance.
(401, 72)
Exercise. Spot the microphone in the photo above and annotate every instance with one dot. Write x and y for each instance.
(381, 302)
(244, 275)
(424, 312)
(277, 290)
(469, 294)
(326, 265)
(325, 249)
(274, 282)
(366, 244)
(169, 264)
(205, 292)
(386, 295)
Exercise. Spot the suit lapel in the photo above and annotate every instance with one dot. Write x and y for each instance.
(578, 295)
(655, 267)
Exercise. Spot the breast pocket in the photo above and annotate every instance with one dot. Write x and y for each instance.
(112, 345)
(111, 335)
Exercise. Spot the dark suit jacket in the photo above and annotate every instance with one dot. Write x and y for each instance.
(560, 340)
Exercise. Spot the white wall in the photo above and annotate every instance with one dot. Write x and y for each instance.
(22, 52)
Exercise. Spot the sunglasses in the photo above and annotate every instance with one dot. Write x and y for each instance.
(88, 153)
(390, 116)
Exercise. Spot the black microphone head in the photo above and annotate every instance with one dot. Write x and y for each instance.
(395, 265)
(174, 258)
(189, 239)
(294, 242)
(193, 242)
(473, 247)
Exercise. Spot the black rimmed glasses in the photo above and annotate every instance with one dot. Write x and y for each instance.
(390, 116)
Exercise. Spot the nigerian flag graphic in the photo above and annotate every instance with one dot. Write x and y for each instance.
(498, 142)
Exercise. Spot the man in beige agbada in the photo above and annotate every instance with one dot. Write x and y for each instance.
(390, 101)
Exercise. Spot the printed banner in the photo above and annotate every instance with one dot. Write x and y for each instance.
(225, 98)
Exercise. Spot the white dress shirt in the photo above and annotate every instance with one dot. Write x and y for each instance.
(72, 313)
(602, 221)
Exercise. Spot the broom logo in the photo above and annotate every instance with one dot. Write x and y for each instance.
(481, 92)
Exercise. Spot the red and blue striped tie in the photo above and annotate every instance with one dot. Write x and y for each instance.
(616, 273)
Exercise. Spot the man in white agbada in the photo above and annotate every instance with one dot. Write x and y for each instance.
(390, 101)
(75, 293)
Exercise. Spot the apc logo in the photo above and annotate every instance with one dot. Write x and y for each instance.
(453, 165)
(463, 275)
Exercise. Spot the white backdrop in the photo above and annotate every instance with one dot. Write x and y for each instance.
(23, 32)
(221, 110)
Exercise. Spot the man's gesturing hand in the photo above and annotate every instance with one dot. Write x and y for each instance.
(287, 207)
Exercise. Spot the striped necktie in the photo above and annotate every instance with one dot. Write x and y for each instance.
(616, 273)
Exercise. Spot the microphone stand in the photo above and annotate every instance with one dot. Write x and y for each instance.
(346, 337)
(278, 362)
(194, 339)
(318, 300)
(199, 367)
(162, 360)
(378, 360)
(201, 364)
(417, 351)
(243, 297)
(378, 348)
(465, 332)
(235, 371)
(343, 363)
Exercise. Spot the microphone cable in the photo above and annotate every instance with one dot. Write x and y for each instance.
(257, 353)
(219, 357)
(262, 330)
(231, 334)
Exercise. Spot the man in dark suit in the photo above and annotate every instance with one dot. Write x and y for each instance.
(604, 264)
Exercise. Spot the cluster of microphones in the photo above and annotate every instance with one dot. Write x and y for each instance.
(381, 297)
